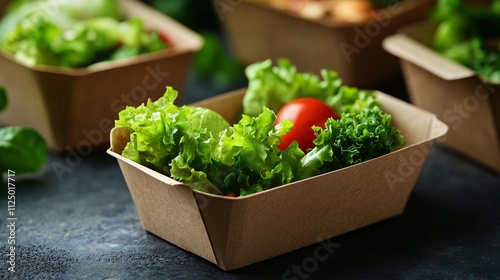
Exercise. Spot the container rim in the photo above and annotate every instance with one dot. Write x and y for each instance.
(120, 136)
(405, 45)
(407, 5)
(192, 44)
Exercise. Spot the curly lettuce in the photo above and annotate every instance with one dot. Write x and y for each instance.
(247, 159)
(354, 138)
(176, 141)
(198, 147)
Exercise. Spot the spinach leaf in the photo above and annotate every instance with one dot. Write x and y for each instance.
(22, 150)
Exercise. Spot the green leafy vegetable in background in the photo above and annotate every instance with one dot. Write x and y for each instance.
(73, 33)
(82, 10)
(3, 98)
(195, 14)
(198, 147)
(213, 62)
(22, 149)
(469, 35)
(274, 86)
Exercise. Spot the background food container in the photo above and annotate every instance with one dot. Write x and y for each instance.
(456, 94)
(76, 108)
(257, 31)
(235, 232)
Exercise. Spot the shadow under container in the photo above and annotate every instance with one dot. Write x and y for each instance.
(257, 31)
(236, 232)
(76, 108)
(469, 105)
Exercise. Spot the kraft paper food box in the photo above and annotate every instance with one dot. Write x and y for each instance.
(74, 109)
(236, 232)
(257, 31)
(456, 94)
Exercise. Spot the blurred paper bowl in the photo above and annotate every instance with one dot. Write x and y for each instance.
(469, 105)
(76, 108)
(258, 31)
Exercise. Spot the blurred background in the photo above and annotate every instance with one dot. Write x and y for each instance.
(215, 69)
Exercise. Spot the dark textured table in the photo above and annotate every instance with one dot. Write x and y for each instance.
(83, 225)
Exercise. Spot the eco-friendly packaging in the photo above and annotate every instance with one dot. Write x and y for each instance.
(235, 232)
(257, 31)
(75, 108)
(469, 105)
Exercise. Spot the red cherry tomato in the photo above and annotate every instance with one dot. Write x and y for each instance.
(304, 113)
(231, 194)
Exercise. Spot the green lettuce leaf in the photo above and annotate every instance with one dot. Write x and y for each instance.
(22, 150)
(247, 159)
(468, 34)
(273, 86)
(176, 141)
(37, 33)
(198, 147)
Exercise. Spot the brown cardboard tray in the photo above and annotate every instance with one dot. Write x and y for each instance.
(469, 105)
(75, 108)
(235, 232)
(257, 31)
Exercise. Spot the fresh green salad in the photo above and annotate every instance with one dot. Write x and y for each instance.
(274, 86)
(198, 147)
(469, 35)
(74, 33)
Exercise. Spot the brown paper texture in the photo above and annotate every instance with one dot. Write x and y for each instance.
(467, 104)
(257, 32)
(74, 109)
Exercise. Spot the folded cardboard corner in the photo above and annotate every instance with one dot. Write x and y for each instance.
(456, 94)
(236, 232)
